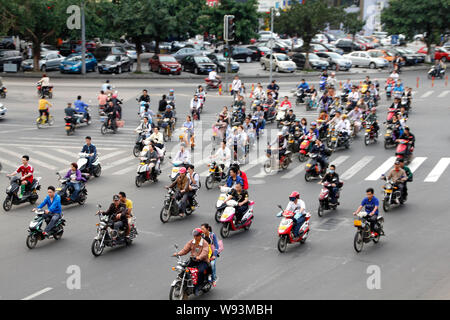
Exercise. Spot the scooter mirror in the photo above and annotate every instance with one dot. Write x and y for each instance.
(279, 206)
(176, 246)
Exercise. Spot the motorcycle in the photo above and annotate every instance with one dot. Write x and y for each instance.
(216, 175)
(42, 121)
(285, 229)
(220, 204)
(228, 218)
(322, 83)
(3, 91)
(300, 95)
(95, 169)
(107, 125)
(392, 196)
(389, 139)
(211, 84)
(363, 231)
(269, 113)
(12, 197)
(338, 140)
(145, 173)
(370, 136)
(313, 169)
(107, 236)
(434, 73)
(171, 206)
(402, 151)
(64, 188)
(389, 89)
(325, 198)
(272, 163)
(44, 91)
(76, 120)
(139, 144)
(305, 147)
(36, 229)
(176, 168)
(237, 116)
(167, 126)
(186, 283)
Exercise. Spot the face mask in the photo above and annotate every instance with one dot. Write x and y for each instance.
(331, 171)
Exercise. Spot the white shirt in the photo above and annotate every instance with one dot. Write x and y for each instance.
(157, 137)
(195, 104)
(353, 96)
(184, 157)
(223, 156)
(394, 76)
(105, 87)
(45, 82)
(236, 85)
(212, 75)
(296, 208)
(343, 126)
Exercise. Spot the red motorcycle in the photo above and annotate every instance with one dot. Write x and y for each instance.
(402, 150)
(324, 197)
(212, 84)
(391, 113)
(305, 147)
(286, 233)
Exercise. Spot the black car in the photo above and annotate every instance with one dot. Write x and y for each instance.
(278, 46)
(10, 56)
(348, 45)
(243, 53)
(197, 64)
(105, 50)
(115, 63)
(260, 51)
(221, 62)
(409, 56)
(7, 43)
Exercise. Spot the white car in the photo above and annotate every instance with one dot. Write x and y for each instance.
(266, 36)
(363, 59)
(280, 63)
(3, 111)
(320, 38)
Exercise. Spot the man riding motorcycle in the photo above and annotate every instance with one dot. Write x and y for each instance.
(298, 207)
(223, 157)
(145, 127)
(44, 83)
(333, 178)
(69, 111)
(157, 138)
(90, 149)
(182, 189)
(399, 177)
(144, 97)
(27, 175)
(370, 205)
(80, 107)
(119, 212)
(54, 210)
(372, 119)
(241, 196)
(195, 106)
(112, 112)
(319, 149)
(355, 116)
(152, 161)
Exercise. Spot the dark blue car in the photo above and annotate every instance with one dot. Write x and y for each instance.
(72, 64)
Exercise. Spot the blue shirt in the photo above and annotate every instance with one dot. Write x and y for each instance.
(80, 106)
(370, 205)
(231, 182)
(53, 207)
(304, 86)
(90, 149)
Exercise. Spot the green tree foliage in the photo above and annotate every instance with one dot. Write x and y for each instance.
(352, 24)
(410, 17)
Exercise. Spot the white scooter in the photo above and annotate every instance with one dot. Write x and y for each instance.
(96, 168)
(220, 204)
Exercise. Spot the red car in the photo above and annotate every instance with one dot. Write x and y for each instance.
(439, 53)
(164, 63)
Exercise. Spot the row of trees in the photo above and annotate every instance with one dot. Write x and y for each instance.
(44, 21)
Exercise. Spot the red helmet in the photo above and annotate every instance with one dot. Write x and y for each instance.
(295, 194)
(182, 170)
(197, 232)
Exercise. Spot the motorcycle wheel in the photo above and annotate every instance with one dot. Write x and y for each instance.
(304, 237)
(98, 171)
(358, 242)
(136, 151)
(386, 205)
(138, 181)
(68, 132)
(282, 244)
(164, 215)
(225, 230)
(51, 121)
(218, 215)
(7, 204)
(97, 248)
(188, 211)
(209, 182)
(175, 293)
(285, 164)
(82, 199)
(386, 145)
(366, 140)
(31, 241)
(320, 210)
(103, 129)
(58, 233)
(308, 177)
(267, 167)
(302, 157)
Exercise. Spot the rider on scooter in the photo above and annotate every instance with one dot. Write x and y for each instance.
(333, 178)
(91, 150)
(241, 196)
(319, 149)
(75, 180)
(53, 214)
(27, 175)
(297, 206)
(80, 107)
(214, 78)
(370, 204)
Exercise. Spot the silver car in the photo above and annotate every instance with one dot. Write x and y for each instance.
(50, 60)
(3, 111)
(280, 63)
(363, 59)
(335, 60)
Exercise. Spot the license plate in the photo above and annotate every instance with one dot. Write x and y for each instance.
(221, 198)
(388, 191)
(58, 189)
(357, 223)
(387, 135)
(333, 139)
(308, 165)
(367, 130)
(281, 228)
(174, 170)
(66, 68)
(211, 170)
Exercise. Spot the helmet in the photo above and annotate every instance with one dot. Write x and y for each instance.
(171, 90)
(284, 131)
(114, 95)
(197, 232)
(313, 123)
(182, 170)
(344, 116)
(295, 195)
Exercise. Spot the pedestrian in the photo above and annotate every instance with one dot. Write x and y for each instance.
(236, 86)
(30, 52)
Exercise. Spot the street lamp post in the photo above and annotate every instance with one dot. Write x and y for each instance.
(83, 40)
(271, 41)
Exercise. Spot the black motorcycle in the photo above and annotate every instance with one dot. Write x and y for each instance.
(270, 113)
(139, 145)
(216, 176)
(108, 125)
(171, 206)
(3, 92)
(313, 169)
(30, 195)
(108, 237)
(65, 191)
(76, 120)
(35, 231)
(389, 138)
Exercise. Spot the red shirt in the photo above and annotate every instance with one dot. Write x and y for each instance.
(24, 171)
(244, 177)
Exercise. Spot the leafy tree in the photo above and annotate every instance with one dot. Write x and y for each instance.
(306, 20)
(352, 24)
(410, 17)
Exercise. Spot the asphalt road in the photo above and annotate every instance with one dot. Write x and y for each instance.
(413, 256)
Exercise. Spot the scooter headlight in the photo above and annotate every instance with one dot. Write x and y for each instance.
(8, 189)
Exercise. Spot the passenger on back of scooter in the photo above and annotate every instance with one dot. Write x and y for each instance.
(344, 126)
(298, 207)
(181, 185)
(241, 196)
(407, 135)
(69, 111)
(289, 119)
(183, 155)
(91, 150)
(234, 178)
(145, 127)
(319, 149)
(314, 128)
(333, 178)
(75, 180)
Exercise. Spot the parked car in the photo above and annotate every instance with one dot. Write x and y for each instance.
(332, 48)
(278, 46)
(335, 60)
(259, 50)
(115, 63)
(314, 60)
(440, 53)
(50, 60)
(363, 59)
(164, 63)
(244, 54)
(200, 48)
(266, 36)
(382, 53)
(182, 53)
(387, 41)
(320, 38)
(10, 56)
(197, 64)
(130, 52)
(347, 45)
(280, 63)
(105, 50)
(410, 56)
(7, 43)
(221, 62)
(177, 45)
(72, 63)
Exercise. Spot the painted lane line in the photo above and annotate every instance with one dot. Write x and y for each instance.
(356, 167)
(381, 169)
(49, 156)
(32, 160)
(111, 155)
(68, 153)
(417, 161)
(297, 170)
(119, 162)
(34, 295)
(438, 169)
(443, 94)
(427, 94)
(339, 160)
(9, 163)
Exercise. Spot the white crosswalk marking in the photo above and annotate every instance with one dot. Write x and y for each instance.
(439, 169)
(293, 172)
(119, 162)
(356, 167)
(74, 155)
(33, 161)
(427, 94)
(253, 163)
(381, 169)
(124, 171)
(417, 161)
(443, 94)
(111, 155)
(339, 160)
(52, 157)
(8, 163)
